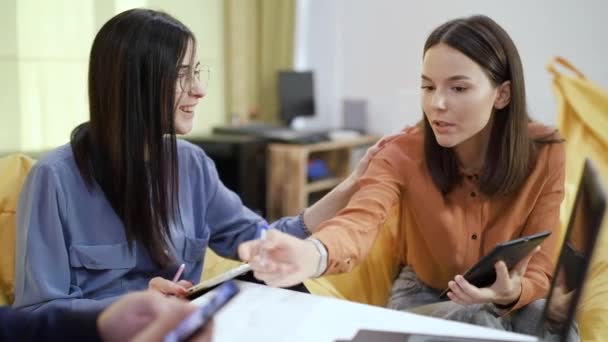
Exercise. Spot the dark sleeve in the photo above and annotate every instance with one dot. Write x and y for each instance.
(51, 325)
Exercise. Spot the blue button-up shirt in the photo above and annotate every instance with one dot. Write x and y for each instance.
(72, 249)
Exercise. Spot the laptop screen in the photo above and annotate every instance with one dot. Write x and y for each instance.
(576, 253)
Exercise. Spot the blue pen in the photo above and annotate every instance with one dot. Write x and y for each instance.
(262, 228)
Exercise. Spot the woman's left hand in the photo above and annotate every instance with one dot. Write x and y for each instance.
(505, 291)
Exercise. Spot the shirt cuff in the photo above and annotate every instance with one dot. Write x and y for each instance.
(322, 265)
(340, 257)
(302, 223)
(292, 225)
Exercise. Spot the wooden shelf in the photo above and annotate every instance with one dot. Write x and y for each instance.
(288, 188)
(325, 184)
(335, 145)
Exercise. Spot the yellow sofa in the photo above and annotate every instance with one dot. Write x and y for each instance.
(583, 121)
(13, 170)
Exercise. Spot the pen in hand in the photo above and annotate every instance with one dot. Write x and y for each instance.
(262, 251)
(179, 272)
(262, 229)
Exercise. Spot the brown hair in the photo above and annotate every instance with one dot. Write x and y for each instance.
(129, 146)
(511, 149)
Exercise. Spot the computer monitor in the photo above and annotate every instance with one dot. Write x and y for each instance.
(296, 95)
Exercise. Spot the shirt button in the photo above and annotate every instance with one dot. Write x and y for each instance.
(474, 236)
(473, 194)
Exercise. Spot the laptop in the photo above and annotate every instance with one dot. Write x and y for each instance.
(576, 254)
(571, 269)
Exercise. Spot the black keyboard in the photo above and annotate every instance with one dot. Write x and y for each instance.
(256, 129)
(276, 133)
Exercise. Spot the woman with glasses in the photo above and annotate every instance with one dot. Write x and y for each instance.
(126, 203)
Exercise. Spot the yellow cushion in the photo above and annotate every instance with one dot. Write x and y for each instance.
(369, 282)
(13, 171)
(216, 265)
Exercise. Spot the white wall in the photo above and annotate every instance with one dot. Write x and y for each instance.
(372, 49)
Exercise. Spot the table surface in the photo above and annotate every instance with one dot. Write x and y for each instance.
(265, 314)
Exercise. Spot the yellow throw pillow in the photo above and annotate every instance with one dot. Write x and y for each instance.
(583, 123)
(371, 281)
(13, 171)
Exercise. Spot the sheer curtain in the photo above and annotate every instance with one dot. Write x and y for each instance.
(44, 62)
(259, 42)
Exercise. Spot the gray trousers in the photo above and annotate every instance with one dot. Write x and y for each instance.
(411, 294)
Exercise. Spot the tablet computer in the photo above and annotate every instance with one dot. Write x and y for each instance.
(483, 273)
(197, 320)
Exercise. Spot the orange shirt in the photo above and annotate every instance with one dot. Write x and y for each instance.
(449, 233)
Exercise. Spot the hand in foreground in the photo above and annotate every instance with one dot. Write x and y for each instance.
(505, 291)
(281, 260)
(144, 316)
(560, 299)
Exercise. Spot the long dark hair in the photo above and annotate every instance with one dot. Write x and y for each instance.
(511, 149)
(128, 146)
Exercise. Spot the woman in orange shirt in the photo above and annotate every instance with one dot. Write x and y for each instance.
(477, 171)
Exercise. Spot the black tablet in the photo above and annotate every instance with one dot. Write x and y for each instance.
(483, 273)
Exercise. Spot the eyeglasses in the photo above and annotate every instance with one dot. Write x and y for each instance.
(201, 74)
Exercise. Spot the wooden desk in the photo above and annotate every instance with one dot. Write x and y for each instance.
(265, 314)
(288, 188)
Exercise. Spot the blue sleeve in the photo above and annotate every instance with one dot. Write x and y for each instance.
(42, 266)
(53, 325)
(230, 222)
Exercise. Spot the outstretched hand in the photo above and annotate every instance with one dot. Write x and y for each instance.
(280, 260)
